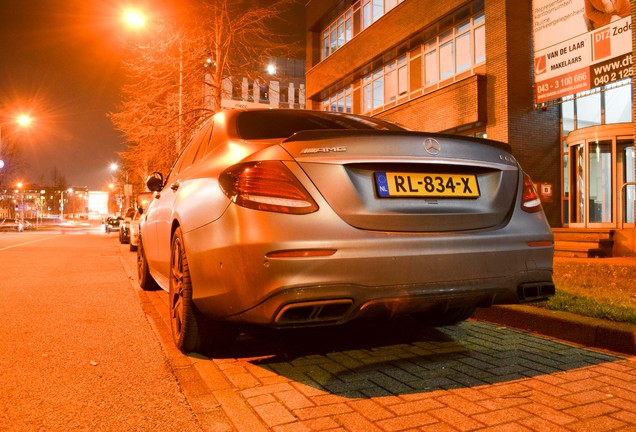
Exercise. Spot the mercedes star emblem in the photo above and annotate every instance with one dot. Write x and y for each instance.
(432, 146)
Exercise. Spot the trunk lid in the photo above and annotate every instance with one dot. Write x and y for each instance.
(409, 181)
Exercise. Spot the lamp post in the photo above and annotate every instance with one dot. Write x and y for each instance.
(62, 205)
(19, 185)
(71, 207)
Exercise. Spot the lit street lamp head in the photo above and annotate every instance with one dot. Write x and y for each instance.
(24, 120)
(134, 18)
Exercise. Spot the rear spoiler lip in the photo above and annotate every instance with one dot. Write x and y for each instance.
(320, 134)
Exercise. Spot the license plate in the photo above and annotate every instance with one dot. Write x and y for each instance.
(390, 184)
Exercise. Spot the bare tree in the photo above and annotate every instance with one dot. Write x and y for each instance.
(179, 76)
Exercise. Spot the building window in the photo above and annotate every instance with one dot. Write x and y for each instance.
(618, 104)
(342, 29)
(479, 38)
(385, 85)
(237, 89)
(378, 89)
(340, 102)
(402, 77)
(588, 110)
(613, 104)
(446, 63)
(338, 33)
(456, 50)
(430, 66)
(372, 10)
(264, 93)
(567, 117)
(463, 58)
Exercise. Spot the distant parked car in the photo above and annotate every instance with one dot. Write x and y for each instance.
(111, 224)
(142, 202)
(11, 225)
(124, 225)
(289, 218)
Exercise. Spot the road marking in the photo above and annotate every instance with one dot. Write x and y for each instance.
(25, 243)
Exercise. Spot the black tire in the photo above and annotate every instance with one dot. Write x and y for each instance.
(132, 247)
(438, 318)
(191, 331)
(146, 282)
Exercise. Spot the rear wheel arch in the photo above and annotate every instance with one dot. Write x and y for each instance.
(191, 330)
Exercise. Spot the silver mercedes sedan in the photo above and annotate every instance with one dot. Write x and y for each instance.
(287, 218)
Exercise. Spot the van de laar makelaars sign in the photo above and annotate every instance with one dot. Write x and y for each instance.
(580, 45)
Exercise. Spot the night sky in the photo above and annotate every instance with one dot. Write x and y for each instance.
(60, 61)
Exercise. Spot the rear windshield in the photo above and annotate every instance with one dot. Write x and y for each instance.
(269, 124)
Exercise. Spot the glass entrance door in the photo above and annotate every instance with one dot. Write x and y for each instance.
(600, 184)
(592, 184)
(578, 190)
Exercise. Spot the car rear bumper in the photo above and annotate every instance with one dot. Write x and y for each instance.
(236, 278)
(320, 305)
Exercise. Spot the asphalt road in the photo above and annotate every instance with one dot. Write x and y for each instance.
(77, 352)
(83, 348)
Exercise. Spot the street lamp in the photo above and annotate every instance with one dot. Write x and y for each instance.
(22, 120)
(136, 19)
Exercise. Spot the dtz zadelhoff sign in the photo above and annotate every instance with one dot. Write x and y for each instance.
(579, 46)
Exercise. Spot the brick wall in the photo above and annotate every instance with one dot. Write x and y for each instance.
(512, 118)
(447, 108)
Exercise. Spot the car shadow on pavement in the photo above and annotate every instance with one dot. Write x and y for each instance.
(400, 357)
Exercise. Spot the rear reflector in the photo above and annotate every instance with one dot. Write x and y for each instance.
(540, 244)
(301, 253)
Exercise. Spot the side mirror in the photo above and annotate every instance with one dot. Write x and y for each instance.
(154, 183)
(140, 210)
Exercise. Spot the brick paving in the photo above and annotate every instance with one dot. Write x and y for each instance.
(401, 377)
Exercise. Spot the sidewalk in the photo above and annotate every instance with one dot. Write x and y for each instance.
(472, 376)
(590, 332)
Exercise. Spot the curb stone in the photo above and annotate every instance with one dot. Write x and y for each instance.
(590, 332)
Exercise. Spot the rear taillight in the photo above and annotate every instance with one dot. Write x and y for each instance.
(267, 186)
(530, 200)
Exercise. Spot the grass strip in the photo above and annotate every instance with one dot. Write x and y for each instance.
(589, 307)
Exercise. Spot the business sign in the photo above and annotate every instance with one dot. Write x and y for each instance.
(577, 49)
